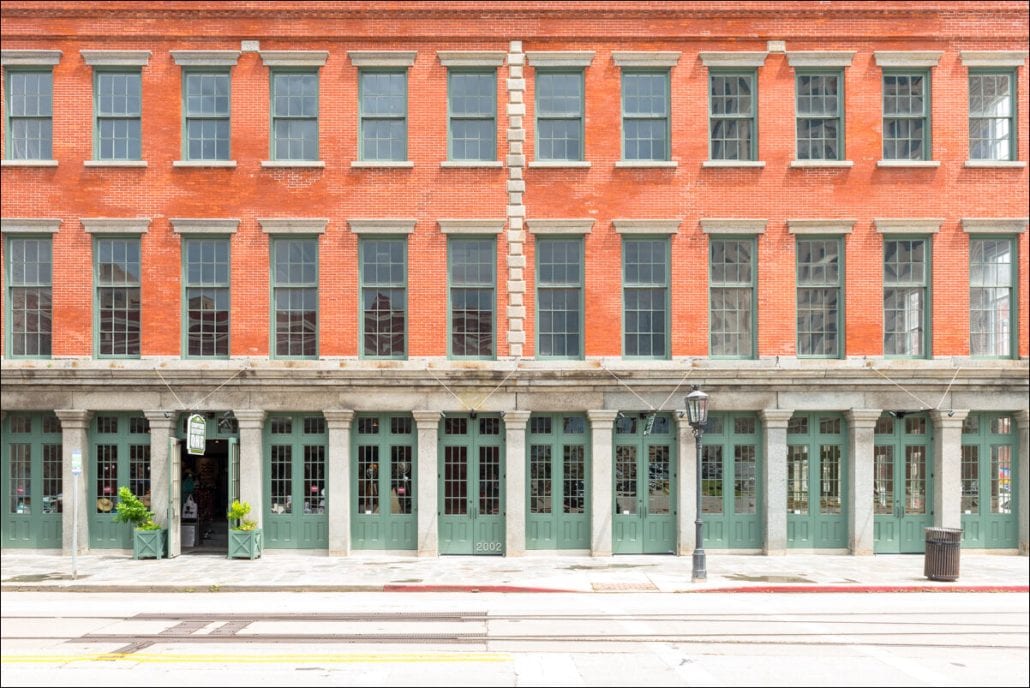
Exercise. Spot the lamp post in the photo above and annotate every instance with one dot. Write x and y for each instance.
(697, 416)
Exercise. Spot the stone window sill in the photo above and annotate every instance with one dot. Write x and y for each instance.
(564, 163)
(733, 163)
(995, 163)
(822, 163)
(382, 163)
(647, 163)
(908, 163)
(203, 163)
(471, 163)
(115, 163)
(28, 163)
(314, 164)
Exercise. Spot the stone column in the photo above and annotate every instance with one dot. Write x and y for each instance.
(602, 424)
(252, 463)
(162, 424)
(861, 425)
(74, 437)
(338, 422)
(1023, 476)
(774, 489)
(686, 486)
(515, 482)
(428, 423)
(947, 468)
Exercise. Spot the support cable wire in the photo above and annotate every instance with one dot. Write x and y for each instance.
(926, 406)
(619, 380)
(476, 407)
(182, 406)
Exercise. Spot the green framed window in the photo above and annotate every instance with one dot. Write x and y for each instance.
(206, 113)
(295, 297)
(206, 281)
(472, 273)
(472, 115)
(118, 105)
(820, 296)
(295, 115)
(384, 297)
(559, 115)
(119, 455)
(29, 134)
(906, 286)
(733, 115)
(732, 284)
(906, 115)
(29, 296)
(992, 116)
(559, 297)
(117, 296)
(383, 97)
(645, 115)
(820, 115)
(992, 298)
(31, 481)
(645, 297)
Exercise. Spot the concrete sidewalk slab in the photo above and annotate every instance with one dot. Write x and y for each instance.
(279, 571)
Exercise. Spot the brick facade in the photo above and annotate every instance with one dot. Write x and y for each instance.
(518, 192)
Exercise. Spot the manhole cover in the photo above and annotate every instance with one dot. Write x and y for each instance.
(623, 587)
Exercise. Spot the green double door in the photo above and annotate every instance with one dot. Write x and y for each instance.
(383, 483)
(989, 481)
(731, 472)
(817, 516)
(644, 489)
(471, 484)
(296, 506)
(119, 455)
(558, 480)
(32, 481)
(902, 483)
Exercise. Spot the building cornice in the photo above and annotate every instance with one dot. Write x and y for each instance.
(643, 58)
(820, 58)
(294, 58)
(116, 58)
(560, 225)
(733, 225)
(29, 225)
(907, 58)
(471, 58)
(732, 59)
(205, 58)
(204, 225)
(820, 226)
(293, 225)
(382, 225)
(908, 225)
(382, 58)
(994, 225)
(993, 58)
(111, 225)
(471, 226)
(29, 58)
(559, 58)
(635, 226)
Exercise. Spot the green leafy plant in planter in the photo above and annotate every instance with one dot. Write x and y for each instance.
(245, 538)
(148, 538)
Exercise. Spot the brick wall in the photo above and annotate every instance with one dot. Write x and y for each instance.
(428, 192)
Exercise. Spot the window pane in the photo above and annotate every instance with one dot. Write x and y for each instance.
(29, 101)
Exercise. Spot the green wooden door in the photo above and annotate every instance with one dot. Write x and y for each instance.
(383, 483)
(32, 481)
(295, 480)
(119, 455)
(817, 513)
(644, 489)
(471, 485)
(902, 483)
(558, 476)
(989, 481)
(731, 472)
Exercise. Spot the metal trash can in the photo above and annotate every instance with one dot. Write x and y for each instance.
(941, 560)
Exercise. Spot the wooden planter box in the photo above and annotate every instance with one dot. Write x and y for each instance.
(244, 544)
(149, 544)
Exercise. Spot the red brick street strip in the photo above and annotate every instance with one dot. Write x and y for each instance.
(469, 588)
(869, 588)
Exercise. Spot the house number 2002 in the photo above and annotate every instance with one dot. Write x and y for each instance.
(488, 547)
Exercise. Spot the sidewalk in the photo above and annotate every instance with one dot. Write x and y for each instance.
(288, 571)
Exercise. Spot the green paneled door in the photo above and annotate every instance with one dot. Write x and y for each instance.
(902, 483)
(990, 483)
(558, 480)
(471, 484)
(32, 480)
(817, 514)
(383, 483)
(295, 481)
(644, 489)
(731, 471)
(119, 455)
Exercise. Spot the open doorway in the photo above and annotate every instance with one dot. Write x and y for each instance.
(205, 489)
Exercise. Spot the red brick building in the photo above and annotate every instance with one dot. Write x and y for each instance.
(439, 274)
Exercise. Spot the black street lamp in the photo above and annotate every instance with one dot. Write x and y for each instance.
(697, 416)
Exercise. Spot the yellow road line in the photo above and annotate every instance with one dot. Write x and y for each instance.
(379, 658)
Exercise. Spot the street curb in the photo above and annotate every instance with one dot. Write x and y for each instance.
(868, 588)
(506, 589)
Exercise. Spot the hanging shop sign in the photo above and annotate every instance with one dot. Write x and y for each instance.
(196, 434)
